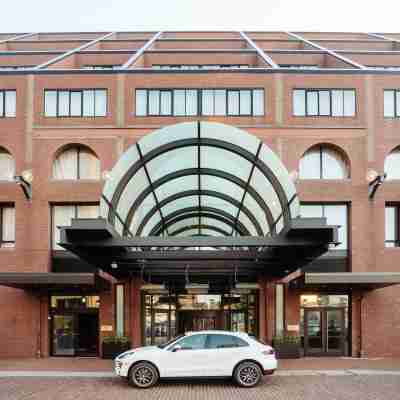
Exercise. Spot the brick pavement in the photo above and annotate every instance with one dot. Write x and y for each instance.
(275, 388)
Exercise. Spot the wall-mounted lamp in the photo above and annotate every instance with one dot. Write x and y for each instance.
(114, 265)
(25, 182)
(374, 181)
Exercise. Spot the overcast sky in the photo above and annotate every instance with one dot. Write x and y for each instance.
(112, 15)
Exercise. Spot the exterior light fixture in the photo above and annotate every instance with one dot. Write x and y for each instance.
(114, 265)
(374, 181)
(25, 184)
(27, 175)
(244, 288)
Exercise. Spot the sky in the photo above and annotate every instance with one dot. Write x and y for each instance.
(154, 15)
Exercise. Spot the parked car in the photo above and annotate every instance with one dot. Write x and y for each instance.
(203, 354)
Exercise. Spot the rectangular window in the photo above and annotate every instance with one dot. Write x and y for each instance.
(391, 103)
(324, 102)
(186, 102)
(75, 103)
(392, 225)
(335, 214)
(7, 226)
(8, 103)
(61, 215)
(119, 310)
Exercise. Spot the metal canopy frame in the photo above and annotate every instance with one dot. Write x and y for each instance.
(165, 259)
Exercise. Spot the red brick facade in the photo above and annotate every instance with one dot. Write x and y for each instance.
(34, 141)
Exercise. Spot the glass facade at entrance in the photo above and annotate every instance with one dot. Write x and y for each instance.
(167, 316)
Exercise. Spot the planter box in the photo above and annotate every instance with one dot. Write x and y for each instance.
(111, 350)
(287, 351)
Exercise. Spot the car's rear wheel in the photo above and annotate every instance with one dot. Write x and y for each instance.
(143, 375)
(247, 374)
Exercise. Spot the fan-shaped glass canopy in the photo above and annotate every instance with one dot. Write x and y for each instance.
(199, 179)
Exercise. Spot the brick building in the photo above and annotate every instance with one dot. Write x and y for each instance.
(283, 136)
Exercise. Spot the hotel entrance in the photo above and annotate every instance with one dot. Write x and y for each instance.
(166, 316)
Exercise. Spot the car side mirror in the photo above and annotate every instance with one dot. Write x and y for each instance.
(176, 348)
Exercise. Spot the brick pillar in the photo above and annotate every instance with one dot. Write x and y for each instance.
(136, 313)
(44, 328)
(262, 316)
(292, 308)
(270, 310)
(355, 324)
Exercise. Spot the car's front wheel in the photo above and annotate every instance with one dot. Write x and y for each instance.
(143, 375)
(247, 374)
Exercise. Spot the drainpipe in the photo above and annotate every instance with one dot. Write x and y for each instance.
(361, 352)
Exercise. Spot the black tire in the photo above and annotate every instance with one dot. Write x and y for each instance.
(143, 375)
(247, 374)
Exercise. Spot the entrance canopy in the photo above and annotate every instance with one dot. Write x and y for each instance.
(202, 202)
(199, 179)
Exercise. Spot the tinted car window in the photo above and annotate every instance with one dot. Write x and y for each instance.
(224, 341)
(193, 342)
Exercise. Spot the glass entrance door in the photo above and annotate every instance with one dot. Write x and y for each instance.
(324, 331)
(64, 335)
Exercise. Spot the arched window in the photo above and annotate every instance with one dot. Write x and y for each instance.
(7, 165)
(76, 162)
(323, 162)
(392, 164)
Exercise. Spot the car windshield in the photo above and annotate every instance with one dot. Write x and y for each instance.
(164, 345)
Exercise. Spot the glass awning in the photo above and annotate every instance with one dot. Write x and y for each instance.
(197, 179)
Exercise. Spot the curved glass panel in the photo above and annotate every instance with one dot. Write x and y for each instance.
(185, 130)
(211, 158)
(167, 163)
(275, 189)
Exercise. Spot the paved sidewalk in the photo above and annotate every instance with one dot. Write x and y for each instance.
(98, 365)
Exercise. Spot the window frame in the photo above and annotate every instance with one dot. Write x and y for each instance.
(321, 148)
(66, 204)
(2, 242)
(4, 93)
(199, 95)
(396, 241)
(70, 91)
(324, 204)
(396, 110)
(330, 115)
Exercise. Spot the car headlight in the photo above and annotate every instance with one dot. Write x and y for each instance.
(124, 355)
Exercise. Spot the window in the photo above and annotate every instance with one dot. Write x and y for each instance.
(7, 166)
(75, 103)
(324, 102)
(78, 162)
(105, 66)
(323, 162)
(193, 342)
(392, 226)
(392, 164)
(391, 103)
(192, 102)
(8, 103)
(224, 342)
(300, 66)
(335, 214)
(62, 215)
(7, 226)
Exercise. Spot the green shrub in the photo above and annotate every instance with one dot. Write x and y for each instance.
(116, 339)
(286, 338)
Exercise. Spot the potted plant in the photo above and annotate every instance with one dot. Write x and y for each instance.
(287, 345)
(114, 345)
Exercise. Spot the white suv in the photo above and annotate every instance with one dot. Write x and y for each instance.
(199, 355)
